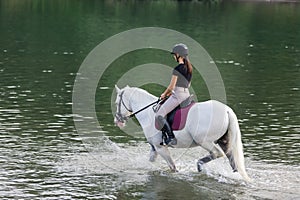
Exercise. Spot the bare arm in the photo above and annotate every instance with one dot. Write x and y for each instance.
(170, 88)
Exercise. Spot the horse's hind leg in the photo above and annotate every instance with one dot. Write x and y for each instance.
(215, 152)
(223, 143)
(202, 161)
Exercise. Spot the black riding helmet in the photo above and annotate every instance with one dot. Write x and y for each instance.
(180, 49)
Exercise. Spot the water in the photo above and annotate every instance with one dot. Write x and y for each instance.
(43, 43)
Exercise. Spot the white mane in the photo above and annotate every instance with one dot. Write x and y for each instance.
(139, 93)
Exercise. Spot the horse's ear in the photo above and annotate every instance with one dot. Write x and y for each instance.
(117, 89)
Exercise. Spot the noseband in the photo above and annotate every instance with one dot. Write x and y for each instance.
(121, 118)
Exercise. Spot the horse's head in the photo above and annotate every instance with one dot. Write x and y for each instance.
(123, 107)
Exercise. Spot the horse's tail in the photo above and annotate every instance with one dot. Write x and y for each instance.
(235, 146)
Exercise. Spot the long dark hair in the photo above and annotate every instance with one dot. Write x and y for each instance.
(188, 65)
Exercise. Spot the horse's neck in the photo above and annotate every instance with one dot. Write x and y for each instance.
(139, 100)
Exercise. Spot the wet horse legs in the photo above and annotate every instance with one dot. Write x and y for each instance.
(215, 152)
(223, 142)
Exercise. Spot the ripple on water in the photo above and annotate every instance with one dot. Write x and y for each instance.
(112, 168)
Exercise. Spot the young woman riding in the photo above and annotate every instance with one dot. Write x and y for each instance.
(177, 91)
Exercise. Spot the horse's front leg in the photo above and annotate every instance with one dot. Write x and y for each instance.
(153, 153)
(163, 151)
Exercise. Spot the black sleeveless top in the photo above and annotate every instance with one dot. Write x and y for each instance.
(184, 77)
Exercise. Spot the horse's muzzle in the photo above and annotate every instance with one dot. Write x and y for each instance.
(120, 120)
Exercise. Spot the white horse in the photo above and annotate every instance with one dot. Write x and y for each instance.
(211, 125)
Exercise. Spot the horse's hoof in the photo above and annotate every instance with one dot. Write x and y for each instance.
(174, 170)
(200, 166)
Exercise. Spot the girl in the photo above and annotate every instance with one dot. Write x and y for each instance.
(177, 91)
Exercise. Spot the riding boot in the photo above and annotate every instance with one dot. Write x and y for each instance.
(165, 127)
(171, 140)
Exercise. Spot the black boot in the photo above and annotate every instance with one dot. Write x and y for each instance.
(165, 127)
(171, 140)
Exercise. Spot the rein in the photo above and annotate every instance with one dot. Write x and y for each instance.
(122, 118)
(155, 102)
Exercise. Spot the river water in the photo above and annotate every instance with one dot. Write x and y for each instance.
(256, 47)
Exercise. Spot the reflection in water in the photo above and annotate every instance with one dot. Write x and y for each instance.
(125, 172)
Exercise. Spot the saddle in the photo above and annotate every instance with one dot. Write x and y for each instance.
(177, 117)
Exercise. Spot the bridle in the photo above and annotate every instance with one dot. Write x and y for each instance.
(121, 118)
